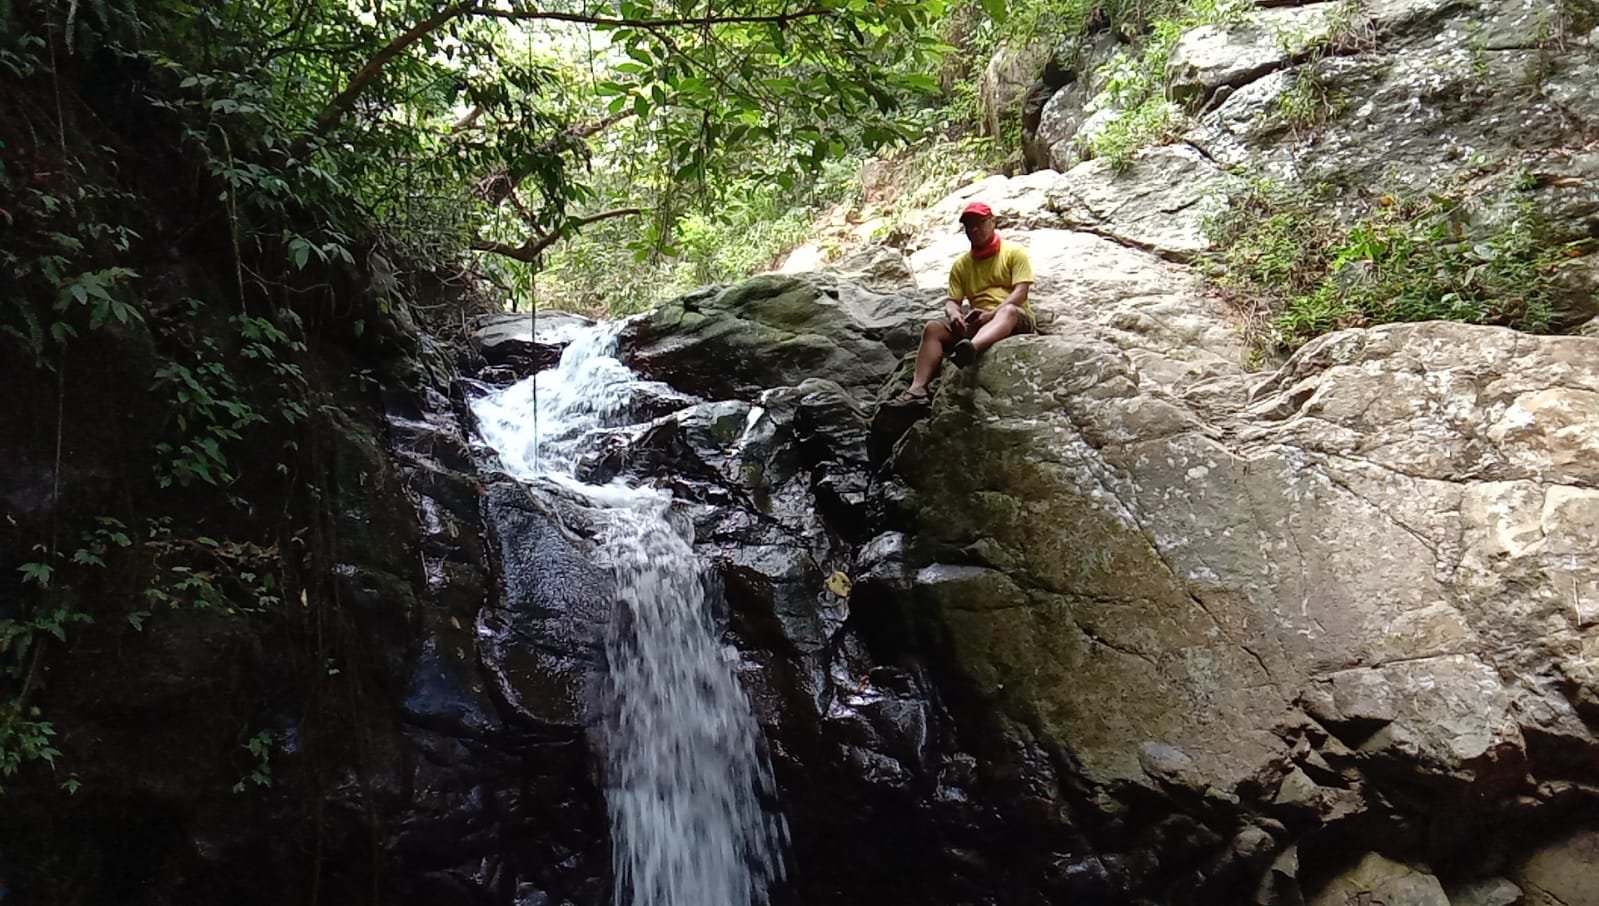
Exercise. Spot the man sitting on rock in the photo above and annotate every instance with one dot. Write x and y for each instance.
(994, 276)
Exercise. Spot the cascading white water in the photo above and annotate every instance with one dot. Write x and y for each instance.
(685, 771)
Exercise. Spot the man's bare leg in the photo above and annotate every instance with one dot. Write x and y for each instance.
(1000, 326)
(931, 353)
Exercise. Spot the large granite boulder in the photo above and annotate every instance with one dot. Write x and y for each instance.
(1160, 202)
(1050, 140)
(777, 330)
(526, 343)
(1009, 75)
(1375, 570)
(1211, 57)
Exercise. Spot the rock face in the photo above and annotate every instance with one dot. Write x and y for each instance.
(776, 331)
(1049, 143)
(1211, 57)
(1379, 880)
(1009, 74)
(1488, 99)
(1124, 620)
(1200, 615)
(394, 767)
(1121, 621)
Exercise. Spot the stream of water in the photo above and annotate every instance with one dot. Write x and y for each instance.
(685, 771)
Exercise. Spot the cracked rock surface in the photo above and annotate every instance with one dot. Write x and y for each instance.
(1133, 623)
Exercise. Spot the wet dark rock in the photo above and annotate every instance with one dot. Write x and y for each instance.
(541, 641)
(774, 331)
(517, 346)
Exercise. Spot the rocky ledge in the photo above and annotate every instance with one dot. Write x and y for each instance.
(1123, 620)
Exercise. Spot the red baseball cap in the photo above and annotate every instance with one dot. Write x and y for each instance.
(976, 209)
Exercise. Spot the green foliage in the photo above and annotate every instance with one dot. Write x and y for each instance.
(1405, 260)
(977, 31)
(1150, 122)
(597, 273)
(45, 614)
(211, 405)
(24, 738)
(260, 748)
(1308, 101)
(203, 573)
(210, 412)
(1135, 82)
(60, 272)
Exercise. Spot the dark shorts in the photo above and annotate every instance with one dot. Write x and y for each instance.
(1024, 324)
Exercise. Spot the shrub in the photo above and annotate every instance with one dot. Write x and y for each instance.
(1413, 259)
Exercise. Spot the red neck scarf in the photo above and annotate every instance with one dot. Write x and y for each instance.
(987, 251)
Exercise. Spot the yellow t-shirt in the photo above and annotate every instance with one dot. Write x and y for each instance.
(988, 281)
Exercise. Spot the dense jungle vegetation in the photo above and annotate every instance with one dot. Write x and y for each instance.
(202, 200)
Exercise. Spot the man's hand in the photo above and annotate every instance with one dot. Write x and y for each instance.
(953, 317)
(976, 318)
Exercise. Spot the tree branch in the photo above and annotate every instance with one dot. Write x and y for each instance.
(529, 251)
(582, 18)
(469, 121)
(363, 78)
(369, 71)
(494, 189)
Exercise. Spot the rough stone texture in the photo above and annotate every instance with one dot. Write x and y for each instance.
(1159, 202)
(1379, 880)
(1410, 119)
(1058, 122)
(1009, 74)
(1563, 873)
(1052, 142)
(1436, 90)
(1485, 892)
(1381, 593)
(1211, 56)
(777, 330)
(877, 267)
(1283, 598)
(516, 346)
(1395, 598)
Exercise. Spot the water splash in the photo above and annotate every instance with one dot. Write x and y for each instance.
(685, 773)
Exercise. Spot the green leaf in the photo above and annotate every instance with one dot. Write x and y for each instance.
(37, 573)
(87, 558)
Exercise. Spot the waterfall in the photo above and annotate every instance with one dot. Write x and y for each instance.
(685, 773)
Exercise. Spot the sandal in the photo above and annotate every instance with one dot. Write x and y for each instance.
(907, 398)
(963, 354)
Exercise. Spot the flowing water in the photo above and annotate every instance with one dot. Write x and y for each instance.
(685, 772)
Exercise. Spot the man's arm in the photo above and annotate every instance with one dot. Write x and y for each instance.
(1018, 296)
(953, 299)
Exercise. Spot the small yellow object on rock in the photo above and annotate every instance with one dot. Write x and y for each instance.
(838, 584)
